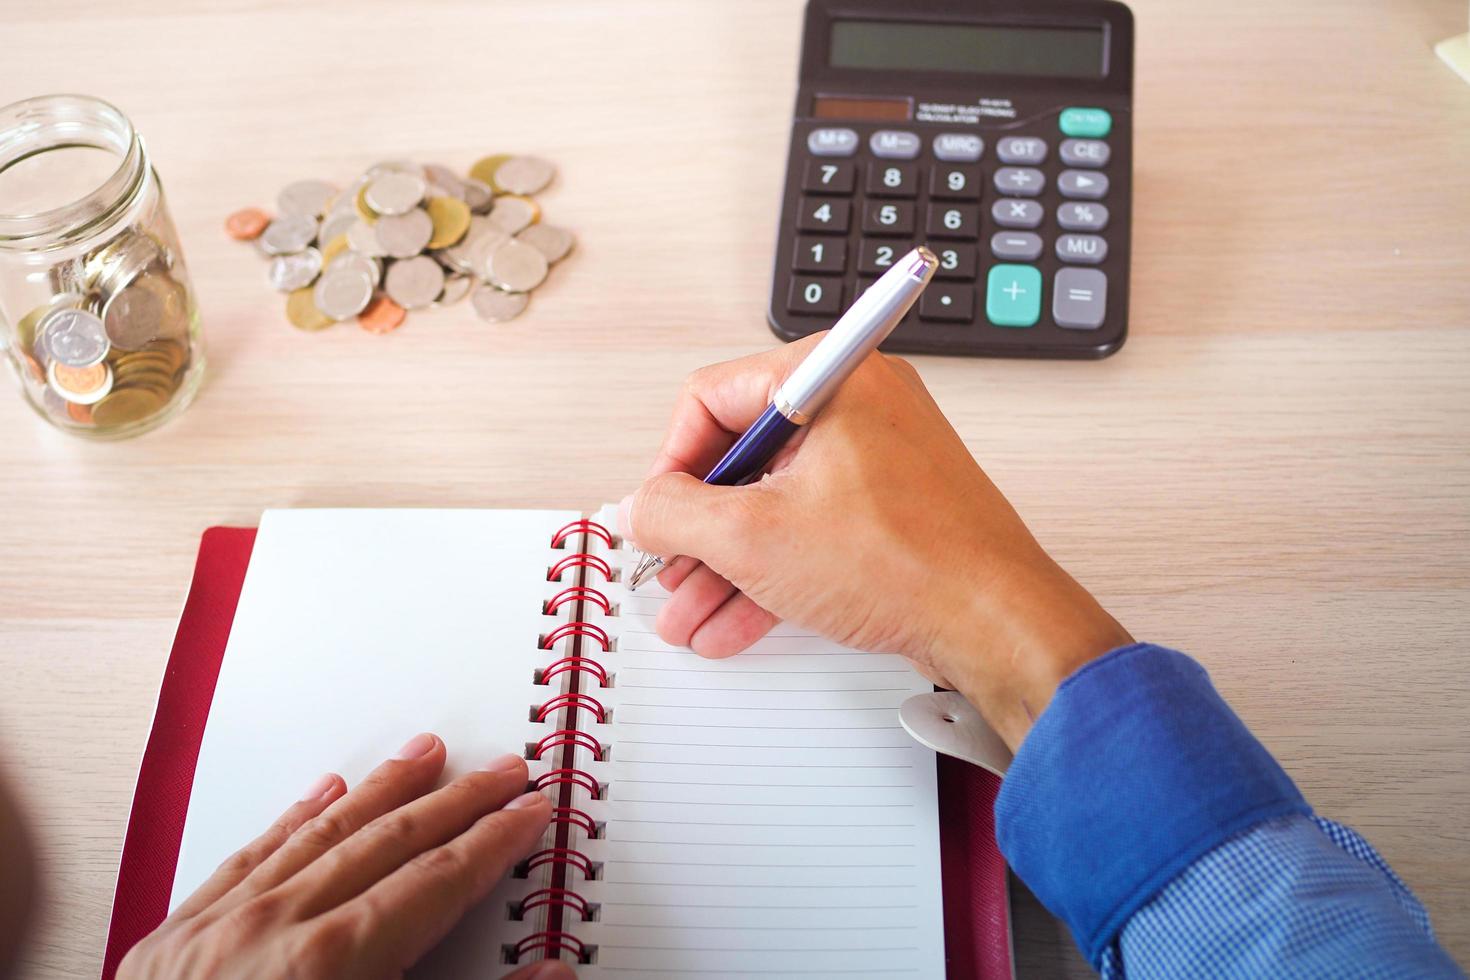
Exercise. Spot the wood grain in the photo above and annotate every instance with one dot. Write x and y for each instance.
(1273, 474)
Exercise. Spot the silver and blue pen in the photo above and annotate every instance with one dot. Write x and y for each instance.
(816, 379)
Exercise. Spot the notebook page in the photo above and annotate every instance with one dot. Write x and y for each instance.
(355, 630)
(766, 815)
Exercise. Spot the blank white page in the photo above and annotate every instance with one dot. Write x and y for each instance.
(356, 629)
(766, 814)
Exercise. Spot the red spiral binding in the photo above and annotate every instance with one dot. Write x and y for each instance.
(564, 897)
(550, 941)
(567, 664)
(575, 593)
(579, 560)
(576, 777)
(575, 818)
(570, 736)
(572, 700)
(582, 526)
(561, 855)
(577, 629)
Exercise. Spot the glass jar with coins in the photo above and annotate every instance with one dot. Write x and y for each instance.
(97, 313)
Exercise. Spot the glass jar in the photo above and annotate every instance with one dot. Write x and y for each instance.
(97, 313)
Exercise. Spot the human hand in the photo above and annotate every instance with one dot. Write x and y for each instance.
(875, 527)
(358, 883)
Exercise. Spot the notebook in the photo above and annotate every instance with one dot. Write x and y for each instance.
(758, 816)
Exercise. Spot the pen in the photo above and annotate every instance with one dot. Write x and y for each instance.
(869, 320)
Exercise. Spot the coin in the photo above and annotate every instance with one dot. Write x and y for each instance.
(360, 205)
(497, 305)
(363, 239)
(246, 224)
(394, 193)
(478, 195)
(414, 283)
(343, 291)
(288, 272)
(516, 267)
(308, 197)
(85, 386)
(443, 181)
(512, 214)
(450, 218)
(334, 247)
(367, 264)
(336, 223)
(302, 312)
(404, 235)
(288, 233)
(464, 256)
(485, 167)
(74, 337)
(524, 175)
(395, 167)
(381, 316)
(152, 305)
(127, 405)
(456, 288)
(79, 413)
(549, 240)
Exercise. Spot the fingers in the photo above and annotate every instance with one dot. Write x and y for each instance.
(708, 615)
(676, 514)
(322, 793)
(677, 571)
(391, 840)
(403, 916)
(731, 628)
(543, 970)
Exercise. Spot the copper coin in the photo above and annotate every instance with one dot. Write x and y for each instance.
(381, 316)
(127, 405)
(80, 381)
(246, 224)
(79, 413)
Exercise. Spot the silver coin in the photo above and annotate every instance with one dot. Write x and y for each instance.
(404, 235)
(496, 305)
(343, 292)
(414, 283)
(395, 167)
(524, 175)
(366, 264)
(478, 195)
(74, 337)
(549, 240)
(456, 288)
(443, 181)
(288, 233)
(464, 256)
(111, 268)
(308, 197)
(363, 238)
(395, 193)
(288, 272)
(336, 223)
(152, 306)
(512, 214)
(516, 267)
(81, 398)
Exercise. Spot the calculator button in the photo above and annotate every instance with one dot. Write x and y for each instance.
(1013, 295)
(1021, 149)
(815, 295)
(826, 177)
(888, 218)
(1021, 181)
(832, 142)
(956, 261)
(820, 255)
(1009, 212)
(1082, 249)
(1083, 217)
(958, 147)
(894, 144)
(1085, 153)
(817, 214)
(1086, 184)
(1079, 299)
(893, 180)
(961, 183)
(1085, 123)
(1015, 246)
(943, 301)
(877, 257)
(953, 221)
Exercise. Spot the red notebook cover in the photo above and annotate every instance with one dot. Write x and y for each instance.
(977, 928)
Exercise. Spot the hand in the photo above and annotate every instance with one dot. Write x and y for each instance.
(875, 527)
(358, 883)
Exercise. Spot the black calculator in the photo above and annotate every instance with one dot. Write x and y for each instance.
(997, 133)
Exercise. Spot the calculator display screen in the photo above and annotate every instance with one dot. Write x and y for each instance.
(1059, 52)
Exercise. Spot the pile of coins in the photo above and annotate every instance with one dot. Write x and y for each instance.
(405, 236)
(112, 347)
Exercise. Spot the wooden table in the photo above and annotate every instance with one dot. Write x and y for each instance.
(1273, 474)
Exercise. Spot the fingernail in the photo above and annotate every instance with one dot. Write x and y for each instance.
(625, 516)
(419, 745)
(521, 802)
(505, 763)
(324, 784)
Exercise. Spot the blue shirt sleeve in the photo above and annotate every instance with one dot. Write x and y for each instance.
(1139, 807)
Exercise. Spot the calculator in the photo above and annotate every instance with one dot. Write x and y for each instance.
(997, 133)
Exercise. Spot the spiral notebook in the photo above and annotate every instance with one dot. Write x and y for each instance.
(758, 816)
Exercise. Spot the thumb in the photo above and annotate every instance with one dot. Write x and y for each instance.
(677, 514)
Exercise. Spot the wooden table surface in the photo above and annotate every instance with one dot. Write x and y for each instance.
(1273, 474)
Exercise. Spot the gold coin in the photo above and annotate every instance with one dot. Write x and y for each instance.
(302, 312)
(126, 405)
(332, 249)
(485, 167)
(365, 212)
(451, 219)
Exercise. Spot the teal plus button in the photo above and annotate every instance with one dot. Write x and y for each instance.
(1013, 295)
(1086, 123)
